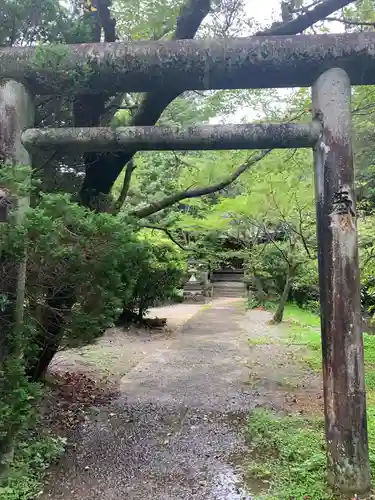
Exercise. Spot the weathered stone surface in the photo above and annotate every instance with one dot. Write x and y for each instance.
(255, 62)
(16, 113)
(342, 343)
(256, 136)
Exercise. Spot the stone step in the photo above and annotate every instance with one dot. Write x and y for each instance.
(217, 294)
(224, 276)
(228, 289)
(230, 284)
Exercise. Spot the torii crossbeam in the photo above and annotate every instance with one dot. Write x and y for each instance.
(255, 62)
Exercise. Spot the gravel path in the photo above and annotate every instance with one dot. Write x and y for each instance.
(176, 432)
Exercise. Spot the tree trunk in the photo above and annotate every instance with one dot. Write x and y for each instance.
(49, 337)
(260, 294)
(141, 311)
(278, 316)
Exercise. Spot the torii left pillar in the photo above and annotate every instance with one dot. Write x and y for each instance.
(16, 114)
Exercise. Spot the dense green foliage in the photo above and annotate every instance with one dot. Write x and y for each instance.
(159, 268)
(107, 260)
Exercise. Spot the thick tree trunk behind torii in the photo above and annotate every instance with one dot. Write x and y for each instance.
(102, 170)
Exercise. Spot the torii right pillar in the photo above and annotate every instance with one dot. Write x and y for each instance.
(342, 341)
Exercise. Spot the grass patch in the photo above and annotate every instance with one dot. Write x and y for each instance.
(289, 451)
(304, 330)
(33, 455)
(205, 307)
(102, 357)
(261, 341)
(302, 316)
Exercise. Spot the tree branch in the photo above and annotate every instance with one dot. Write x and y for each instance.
(350, 22)
(262, 228)
(278, 248)
(190, 18)
(301, 232)
(115, 106)
(305, 8)
(290, 226)
(107, 22)
(156, 206)
(167, 232)
(307, 19)
(125, 186)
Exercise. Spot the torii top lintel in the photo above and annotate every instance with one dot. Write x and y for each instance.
(254, 62)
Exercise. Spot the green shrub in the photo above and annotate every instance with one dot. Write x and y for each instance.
(17, 405)
(103, 261)
(266, 272)
(158, 271)
(86, 255)
(312, 306)
(253, 302)
(305, 287)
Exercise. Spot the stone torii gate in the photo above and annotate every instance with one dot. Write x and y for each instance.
(328, 63)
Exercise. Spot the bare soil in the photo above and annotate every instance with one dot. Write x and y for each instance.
(121, 349)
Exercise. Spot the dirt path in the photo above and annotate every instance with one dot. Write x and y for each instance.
(120, 350)
(176, 432)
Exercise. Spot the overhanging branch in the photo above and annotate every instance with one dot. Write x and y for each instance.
(307, 19)
(166, 231)
(197, 192)
(350, 22)
(125, 186)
